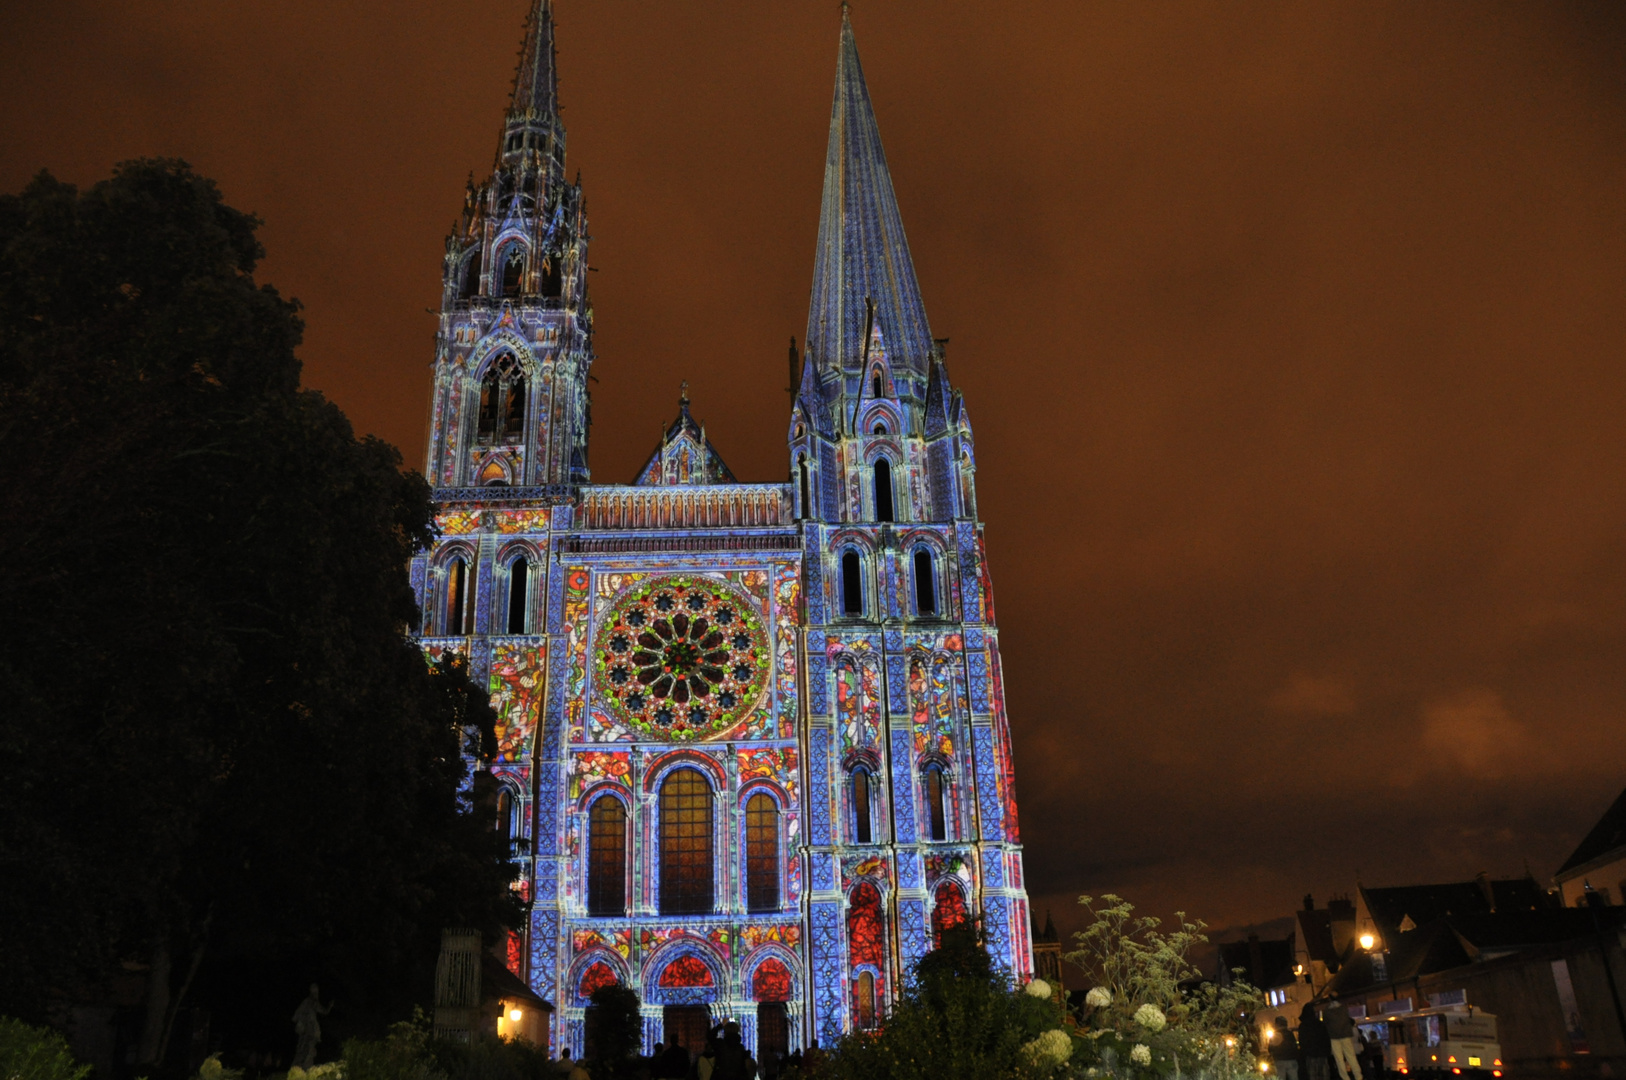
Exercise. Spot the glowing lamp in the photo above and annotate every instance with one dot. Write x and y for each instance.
(1264, 1066)
(1368, 940)
(515, 1015)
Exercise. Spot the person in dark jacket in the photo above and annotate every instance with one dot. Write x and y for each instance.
(1284, 1051)
(1315, 1046)
(1341, 1033)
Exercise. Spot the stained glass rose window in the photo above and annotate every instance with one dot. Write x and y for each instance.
(681, 657)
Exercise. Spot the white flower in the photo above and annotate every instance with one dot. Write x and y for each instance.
(1141, 1054)
(1038, 988)
(1099, 997)
(1151, 1017)
(1054, 1046)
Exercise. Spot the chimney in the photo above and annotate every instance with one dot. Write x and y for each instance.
(1309, 902)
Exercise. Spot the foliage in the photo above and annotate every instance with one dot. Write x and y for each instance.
(1149, 1014)
(617, 1031)
(405, 1053)
(490, 1058)
(222, 751)
(212, 1069)
(957, 1019)
(31, 1053)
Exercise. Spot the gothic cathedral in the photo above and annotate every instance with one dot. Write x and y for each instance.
(752, 745)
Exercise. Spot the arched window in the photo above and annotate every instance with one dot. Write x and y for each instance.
(876, 382)
(685, 844)
(502, 402)
(505, 815)
(807, 488)
(552, 276)
(519, 589)
(852, 583)
(936, 820)
(866, 945)
(457, 598)
(947, 911)
(861, 806)
(607, 857)
(471, 276)
(513, 272)
(883, 489)
(761, 853)
(925, 582)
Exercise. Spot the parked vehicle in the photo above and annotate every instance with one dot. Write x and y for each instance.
(1453, 1040)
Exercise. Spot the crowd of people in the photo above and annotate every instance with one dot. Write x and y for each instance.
(723, 1057)
(1326, 1040)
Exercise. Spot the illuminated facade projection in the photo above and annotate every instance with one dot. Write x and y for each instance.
(752, 739)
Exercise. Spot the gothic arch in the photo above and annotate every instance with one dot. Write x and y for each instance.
(677, 950)
(581, 965)
(656, 770)
(771, 951)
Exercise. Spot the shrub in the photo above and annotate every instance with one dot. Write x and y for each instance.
(31, 1053)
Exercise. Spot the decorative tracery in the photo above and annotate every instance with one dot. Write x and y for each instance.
(682, 657)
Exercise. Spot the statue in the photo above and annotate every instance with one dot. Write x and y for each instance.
(308, 1028)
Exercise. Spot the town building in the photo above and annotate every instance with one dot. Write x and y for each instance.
(751, 741)
(1599, 862)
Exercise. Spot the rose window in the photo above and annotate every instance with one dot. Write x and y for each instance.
(681, 657)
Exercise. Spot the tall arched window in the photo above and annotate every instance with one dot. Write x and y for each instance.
(457, 598)
(471, 276)
(807, 488)
(519, 594)
(883, 490)
(685, 844)
(502, 402)
(925, 582)
(607, 857)
(936, 820)
(761, 853)
(866, 945)
(861, 805)
(947, 911)
(875, 383)
(852, 583)
(505, 815)
(513, 272)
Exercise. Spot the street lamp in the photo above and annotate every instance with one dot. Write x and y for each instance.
(1368, 940)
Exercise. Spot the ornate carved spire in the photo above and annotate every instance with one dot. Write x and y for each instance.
(536, 82)
(862, 255)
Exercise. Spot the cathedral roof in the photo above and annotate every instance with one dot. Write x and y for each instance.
(536, 81)
(685, 455)
(862, 257)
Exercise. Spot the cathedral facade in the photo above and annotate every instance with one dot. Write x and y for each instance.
(752, 745)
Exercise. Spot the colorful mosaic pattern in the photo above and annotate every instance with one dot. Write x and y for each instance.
(681, 658)
(595, 766)
(517, 676)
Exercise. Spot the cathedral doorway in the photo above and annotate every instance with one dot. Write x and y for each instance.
(773, 1030)
(686, 1025)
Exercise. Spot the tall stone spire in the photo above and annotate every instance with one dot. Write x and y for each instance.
(862, 257)
(536, 82)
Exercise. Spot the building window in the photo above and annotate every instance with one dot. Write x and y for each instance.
(459, 618)
(471, 275)
(502, 402)
(936, 820)
(875, 383)
(513, 272)
(519, 582)
(685, 844)
(948, 911)
(505, 815)
(883, 490)
(864, 1001)
(861, 799)
(607, 857)
(925, 582)
(866, 943)
(552, 277)
(761, 853)
(852, 583)
(807, 502)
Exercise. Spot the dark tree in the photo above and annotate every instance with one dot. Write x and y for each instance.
(617, 1031)
(219, 747)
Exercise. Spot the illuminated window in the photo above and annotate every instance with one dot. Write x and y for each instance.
(883, 490)
(771, 981)
(761, 853)
(519, 580)
(875, 383)
(459, 617)
(598, 975)
(471, 275)
(936, 820)
(861, 799)
(866, 945)
(505, 814)
(948, 910)
(864, 1001)
(852, 583)
(685, 844)
(925, 582)
(807, 501)
(686, 971)
(513, 272)
(502, 402)
(607, 857)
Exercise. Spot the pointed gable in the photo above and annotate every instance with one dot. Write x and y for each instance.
(862, 257)
(685, 455)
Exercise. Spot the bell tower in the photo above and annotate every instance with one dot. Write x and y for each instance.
(510, 404)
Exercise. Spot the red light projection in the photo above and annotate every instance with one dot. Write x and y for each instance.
(686, 971)
(866, 930)
(949, 911)
(598, 974)
(771, 981)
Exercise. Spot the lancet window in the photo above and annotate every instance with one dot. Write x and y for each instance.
(935, 790)
(761, 853)
(883, 490)
(686, 833)
(519, 588)
(471, 276)
(948, 910)
(607, 857)
(852, 583)
(925, 582)
(513, 272)
(862, 833)
(866, 938)
(502, 402)
(459, 599)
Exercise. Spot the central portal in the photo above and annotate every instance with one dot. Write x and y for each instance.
(686, 1025)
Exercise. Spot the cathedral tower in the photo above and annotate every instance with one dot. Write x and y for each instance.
(752, 751)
